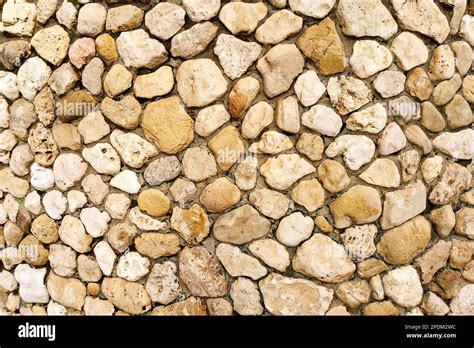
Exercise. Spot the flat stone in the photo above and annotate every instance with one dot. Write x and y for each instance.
(309, 194)
(201, 273)
(238, 263)
(391, 140)
(69, 292)
(92, 127)
(91, 19)
(167, 124)
(200, 82)
(240, 226)
(242, 18)
(155, 245)
(283, 171)
(32, 76)
(321, 43)
(356, 150)
(358, 205)
(324, 259)
(371, 120)
(279, 67)
(117, 80)
(236, 56)
(366, 18)
(192, 224)
(402, 244)
(310, 145)
(68, 169)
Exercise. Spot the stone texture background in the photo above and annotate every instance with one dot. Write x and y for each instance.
(320, 210)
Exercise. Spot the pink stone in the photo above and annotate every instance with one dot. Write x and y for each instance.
(392, 139)
(82, 51)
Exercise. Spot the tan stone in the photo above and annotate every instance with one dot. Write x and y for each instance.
(220, 195)
(402, 244)
(291, 296)
(153, 202)
(381, 308)
(227, 147)
(191, 306)
(106, 48)
(309, 194)
(443, 220)
(358, 205)
(128, 296)
(168, 125)
(323, 258)
(322, 44)
(241, 96)
(156, 245)
(433, 260)
(418, 84)
(192, 224)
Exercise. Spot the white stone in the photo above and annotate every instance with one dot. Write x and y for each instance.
(95, 221)
(138, 50)
(9, 85)
(409, 50)
(278, 27)
(389, 83)
(283, 171)
(356, 150)
(271, 253)
(62, 260)
(239, 264)
(145, 222)
(76, 199)
(403, 286)
(371, 120)
(31, 280)
(422, 16)
(93, 127)
(72, 233)
(359, 241)
(68, 168)
(117, 205)
(294, 229)
(467, 29)
(382, 172)
(32, 76)
(126, 181)
(42, 178)
(54, 204)
(165, 20)
(235, 55)
(369, 57)
(132, 266)
(312, 8)
(66, 14)
(257, 118)
(210, 119)
(322, 119)
(308, 88)
(200, 82)
(431, 168)
(33, 202)
(459, 145)
(91, 19)
(201, 10)
(366, 18)
(162, 284)
(133, 149)
(273, 142)
(105, 257)
(103, 158)
(242, 18)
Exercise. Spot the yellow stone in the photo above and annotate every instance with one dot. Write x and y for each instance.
(153, 202)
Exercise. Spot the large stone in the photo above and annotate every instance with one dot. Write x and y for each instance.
(422, 16)
(51, 44)
(31, 281)
(366, 18)
(278, 27)
(402, 244)
(369, 57)
(291, 296)
(138, 50)
(433, 260)
(128, 296)
(241, 226)
(193, 41)
(155, 84)
(242, 18)
(236, 56)
(324, 259)
(164, 20)
(323, 120)
(455, 180)
(283, 171)
(321, 43)
(69, 292)
(201, 273)
(279, 67)
(459, 145)
(358, 205)
(133, 149)
(227, 147)
(238, 263)
(403, 286)
(200, 82)
(382, 172)
(124, 112)
(168, 125)
(402, 205)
